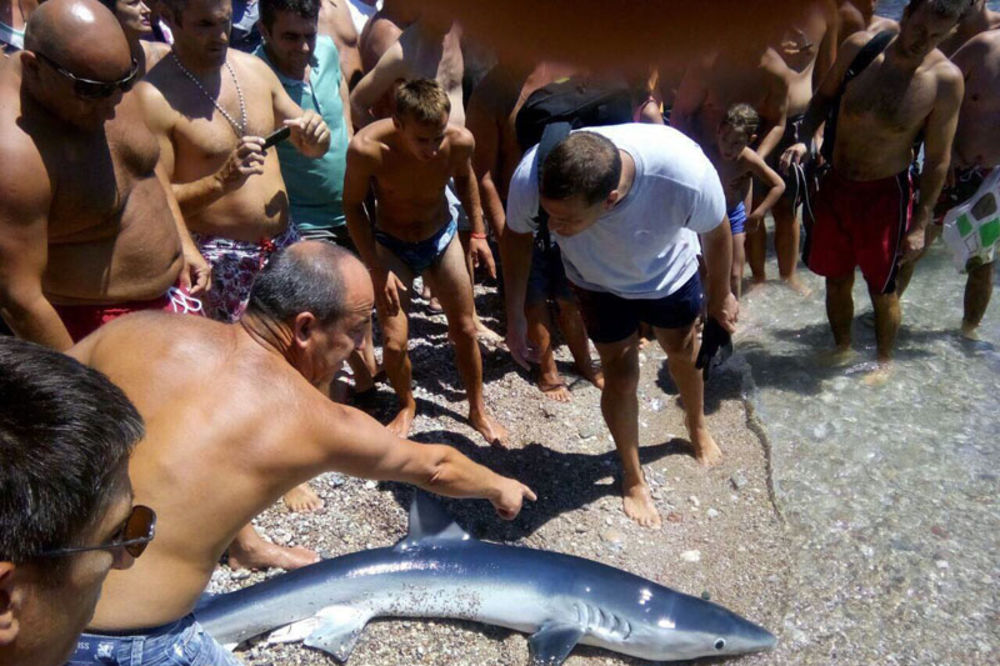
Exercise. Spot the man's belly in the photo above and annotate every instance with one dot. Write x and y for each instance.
(412, 223)
(258, 209)
(156, 590)
(138, 263)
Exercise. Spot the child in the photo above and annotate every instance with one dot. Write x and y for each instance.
(737, 164)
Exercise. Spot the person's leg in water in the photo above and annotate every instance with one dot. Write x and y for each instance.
(887, 319)
(395, 335)
(840, 313)
(978, 290)
(449, 279)
(249, 550)
(620, 407)
(550, 382)
(786, 243)
(575, 333)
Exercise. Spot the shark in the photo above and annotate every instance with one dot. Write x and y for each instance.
(439, 571)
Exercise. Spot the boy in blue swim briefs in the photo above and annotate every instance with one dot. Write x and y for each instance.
(737, 165)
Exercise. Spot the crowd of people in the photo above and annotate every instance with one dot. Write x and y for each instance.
(216, 195)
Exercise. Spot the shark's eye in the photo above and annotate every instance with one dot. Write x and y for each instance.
(719, 644)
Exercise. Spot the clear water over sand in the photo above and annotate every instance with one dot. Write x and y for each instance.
(890, 492)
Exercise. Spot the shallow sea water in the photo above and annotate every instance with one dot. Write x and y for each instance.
(891, 492)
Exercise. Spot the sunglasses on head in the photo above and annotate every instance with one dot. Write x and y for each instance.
(134, 535)
(90, 89)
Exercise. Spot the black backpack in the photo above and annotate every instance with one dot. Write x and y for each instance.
(553, 111)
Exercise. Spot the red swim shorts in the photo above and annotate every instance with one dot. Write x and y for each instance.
(860, 223)
(82, 320)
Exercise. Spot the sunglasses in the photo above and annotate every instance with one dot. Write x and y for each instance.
(90, 89)
(134, 535)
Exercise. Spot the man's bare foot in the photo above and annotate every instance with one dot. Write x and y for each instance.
(593, 374)
(879, 376)
(795, 284)
(486, 334)
(265, 555)
(706, 451)
(639, 505)
(490, 429)
(836, 358)
(554, 391)
(400, 424)
(970, 331)
(302, 499)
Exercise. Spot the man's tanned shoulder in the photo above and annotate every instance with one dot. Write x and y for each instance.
(460, 139)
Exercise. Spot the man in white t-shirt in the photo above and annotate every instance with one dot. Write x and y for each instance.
(626, 204)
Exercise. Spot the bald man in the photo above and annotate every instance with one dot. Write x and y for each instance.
(307, 312)
(88, 226)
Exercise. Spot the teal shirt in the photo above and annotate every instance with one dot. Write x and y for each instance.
(316, 187)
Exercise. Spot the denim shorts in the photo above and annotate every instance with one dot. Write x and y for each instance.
(180, 643)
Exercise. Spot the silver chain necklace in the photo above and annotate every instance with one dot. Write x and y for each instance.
(241, 128)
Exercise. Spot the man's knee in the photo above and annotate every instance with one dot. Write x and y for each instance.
(621, 374)
(462, 328)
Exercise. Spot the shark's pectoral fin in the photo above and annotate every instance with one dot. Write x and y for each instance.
(336, 630)
(552, 643)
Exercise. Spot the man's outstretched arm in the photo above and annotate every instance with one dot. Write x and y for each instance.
(356, 444)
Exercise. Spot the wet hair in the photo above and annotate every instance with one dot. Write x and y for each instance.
(422, 100)
(584, 163)
(742, 118)
(66, 433)
(944, 8)
(304, 277)
(307, 9)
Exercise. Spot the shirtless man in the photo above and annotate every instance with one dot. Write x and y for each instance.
(408, 160)
(335, 21)
(863, 209)
(809, 48)
(975, 153)
(491, 118)
(88, 226)
(307, 312)
(977, 19)
(427, 48)
(747, 71)
(210, 106)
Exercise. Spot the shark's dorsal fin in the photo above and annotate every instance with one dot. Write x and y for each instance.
(430, 522)
(552, 643)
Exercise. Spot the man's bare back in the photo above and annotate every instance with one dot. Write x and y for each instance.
(202, 139)
(95, 195)
(410, 192)
(234, 420)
